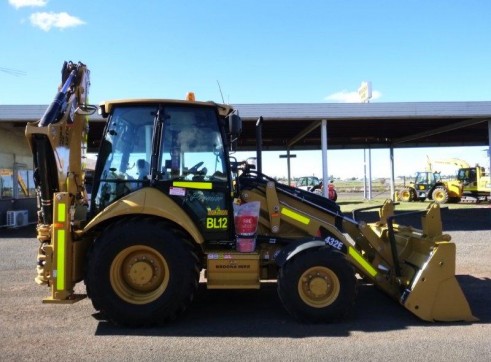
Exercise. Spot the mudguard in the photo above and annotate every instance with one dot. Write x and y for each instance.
(297, 247)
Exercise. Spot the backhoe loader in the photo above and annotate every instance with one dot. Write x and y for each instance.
(161, 214)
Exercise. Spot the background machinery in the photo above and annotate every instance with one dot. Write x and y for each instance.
(161, 212)
(476, 182)
(430, 185)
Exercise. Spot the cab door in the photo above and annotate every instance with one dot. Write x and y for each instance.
(193, 168)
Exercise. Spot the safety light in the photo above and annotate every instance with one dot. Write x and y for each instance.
(190, 97)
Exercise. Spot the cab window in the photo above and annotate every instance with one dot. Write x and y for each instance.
(192, 146)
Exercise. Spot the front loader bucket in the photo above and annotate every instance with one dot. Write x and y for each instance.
(414, 266)
(435, 294)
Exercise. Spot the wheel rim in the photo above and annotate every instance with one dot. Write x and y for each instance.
(318, 287)
(405, 195)
(439, 196)
(139, 274)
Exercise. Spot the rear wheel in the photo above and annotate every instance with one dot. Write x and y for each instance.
(141, 272)
(440, 195)
(317, 286)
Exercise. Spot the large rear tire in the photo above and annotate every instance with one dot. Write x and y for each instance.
(141, 272)
(317, 286)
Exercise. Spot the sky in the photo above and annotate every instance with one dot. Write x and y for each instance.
(258, 51)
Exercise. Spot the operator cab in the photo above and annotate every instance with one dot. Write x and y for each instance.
(178, 147)
(427, 178)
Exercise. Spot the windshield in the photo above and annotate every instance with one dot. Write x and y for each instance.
(423, 178)
(192, 145)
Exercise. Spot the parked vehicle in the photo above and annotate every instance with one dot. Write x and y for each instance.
(307, 182)
(316, 185)
(153, 226)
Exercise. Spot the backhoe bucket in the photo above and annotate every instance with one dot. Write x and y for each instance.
(435, 294)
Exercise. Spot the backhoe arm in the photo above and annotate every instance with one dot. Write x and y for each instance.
(58, 142)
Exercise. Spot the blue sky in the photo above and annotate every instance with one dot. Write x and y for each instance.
(260, 52)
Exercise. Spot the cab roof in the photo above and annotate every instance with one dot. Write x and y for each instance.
(106, 106)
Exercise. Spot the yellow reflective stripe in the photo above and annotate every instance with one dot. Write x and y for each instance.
(357, 256)
(295, 216)
(193, 185)
(60, 259)
(61, 212)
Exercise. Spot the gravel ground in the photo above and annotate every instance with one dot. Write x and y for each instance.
(247, 326)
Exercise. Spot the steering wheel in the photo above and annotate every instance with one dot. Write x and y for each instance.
(194, 169)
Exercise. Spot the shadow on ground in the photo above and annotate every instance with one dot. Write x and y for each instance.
(28, 231)
(216, 313)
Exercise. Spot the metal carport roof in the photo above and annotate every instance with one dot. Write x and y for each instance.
(374, 125)
(349, 125)
(297, 126)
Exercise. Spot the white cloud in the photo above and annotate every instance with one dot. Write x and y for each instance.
(46, 21)
(25, 3)
(345, 96)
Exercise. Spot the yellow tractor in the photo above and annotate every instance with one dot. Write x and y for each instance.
(166, 207)
(430, 185)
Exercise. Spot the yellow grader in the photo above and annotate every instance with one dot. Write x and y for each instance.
(161, 211)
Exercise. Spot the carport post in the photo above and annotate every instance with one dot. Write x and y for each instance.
(392, 178)
(369, 173)
(489, 145)
(367, 181)
(325, 174)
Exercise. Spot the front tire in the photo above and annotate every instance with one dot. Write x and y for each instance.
(407, 195)
(141, 272)
(440, 195)
(317, 286)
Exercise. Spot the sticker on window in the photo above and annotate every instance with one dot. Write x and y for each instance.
(177, 191)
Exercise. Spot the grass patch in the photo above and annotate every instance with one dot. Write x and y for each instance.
(355, 200)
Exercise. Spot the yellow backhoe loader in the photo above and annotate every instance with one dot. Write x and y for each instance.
(164, 192)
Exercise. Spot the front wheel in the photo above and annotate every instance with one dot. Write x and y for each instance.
(407, 194)
(317, 286)
(141, 272)
(440, 195)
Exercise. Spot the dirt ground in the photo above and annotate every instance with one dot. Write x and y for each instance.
(247, 325)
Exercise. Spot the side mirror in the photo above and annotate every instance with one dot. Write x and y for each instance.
(86, 109)
(234, 125)
(251, 163)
